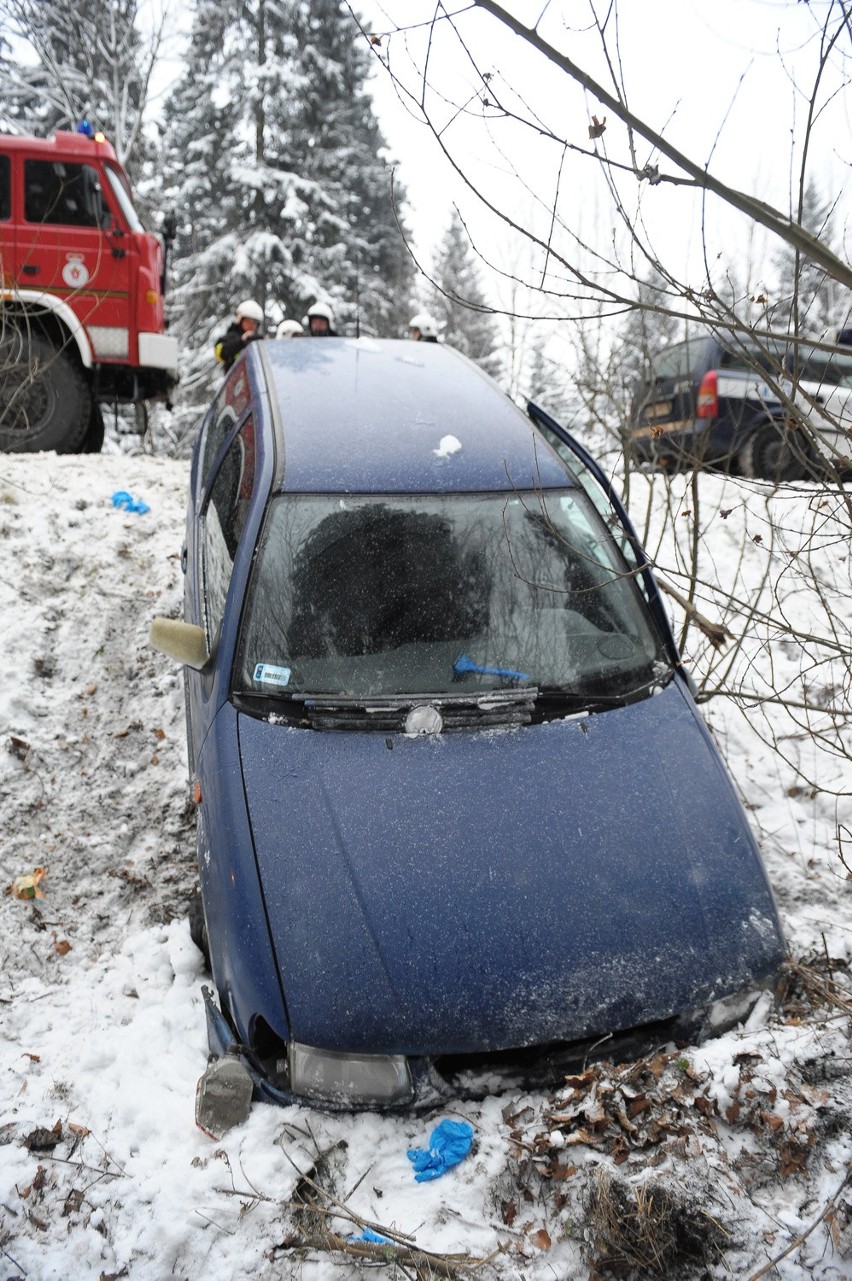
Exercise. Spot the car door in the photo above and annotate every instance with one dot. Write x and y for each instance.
(224, 468)
(70, 249)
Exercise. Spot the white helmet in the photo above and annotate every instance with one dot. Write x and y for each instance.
(289, 329)
(427, 324)
(319, 309)
(249, 310)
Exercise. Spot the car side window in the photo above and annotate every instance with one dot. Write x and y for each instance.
(228, 408)
(62, 194)
(765, 359)
(223, 521)
(5, 187)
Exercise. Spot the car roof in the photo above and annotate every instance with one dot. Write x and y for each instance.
(367, 415)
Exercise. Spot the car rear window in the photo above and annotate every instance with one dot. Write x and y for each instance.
(677, 362)
(386, 595)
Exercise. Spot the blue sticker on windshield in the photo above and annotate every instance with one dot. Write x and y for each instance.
(268, 674)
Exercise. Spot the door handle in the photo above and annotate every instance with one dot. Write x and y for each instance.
(30, 269)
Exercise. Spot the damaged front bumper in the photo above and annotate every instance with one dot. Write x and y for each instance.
(343, 1082)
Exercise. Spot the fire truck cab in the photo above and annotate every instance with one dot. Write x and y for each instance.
(81, 306)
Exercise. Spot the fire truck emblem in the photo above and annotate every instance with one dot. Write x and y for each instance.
(75, 273)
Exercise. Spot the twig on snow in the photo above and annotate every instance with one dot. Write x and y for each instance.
(794, 1245)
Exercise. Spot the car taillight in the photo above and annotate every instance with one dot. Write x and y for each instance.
(707, 404)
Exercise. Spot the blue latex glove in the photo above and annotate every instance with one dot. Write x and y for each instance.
(374, 1238)
(464, 663)
(121, 498)
(449, 1143)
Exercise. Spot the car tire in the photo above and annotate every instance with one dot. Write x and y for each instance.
(45, 402)
(774, 453)
(198, 927)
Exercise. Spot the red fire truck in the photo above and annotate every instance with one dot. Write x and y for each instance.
(81, 306)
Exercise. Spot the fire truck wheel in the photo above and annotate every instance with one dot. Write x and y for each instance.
(45, 402)
(93, 442)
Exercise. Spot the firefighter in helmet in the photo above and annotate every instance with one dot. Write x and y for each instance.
(319, 321)
(244, 328)
(289, 329)
(423, 327)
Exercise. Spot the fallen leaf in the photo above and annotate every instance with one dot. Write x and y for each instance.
(541, 1239)
(62, 946)
(159, 734)
(79, 1130)
(42, 1140)
(18, 746)
(73, 1202)
(508, 1211)
(29, 887)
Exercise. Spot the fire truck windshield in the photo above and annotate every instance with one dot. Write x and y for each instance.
(122, 195)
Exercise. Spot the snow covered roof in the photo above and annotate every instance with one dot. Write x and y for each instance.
(393, 416)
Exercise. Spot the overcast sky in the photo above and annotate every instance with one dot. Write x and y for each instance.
(728, 83)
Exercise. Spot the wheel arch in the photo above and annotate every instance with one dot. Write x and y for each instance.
(50, 316)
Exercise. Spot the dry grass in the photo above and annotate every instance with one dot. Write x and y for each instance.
(648, 1231)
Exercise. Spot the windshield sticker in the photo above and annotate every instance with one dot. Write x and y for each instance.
(268, 674)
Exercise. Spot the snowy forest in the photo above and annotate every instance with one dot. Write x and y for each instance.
(597, 181)
(267, 146)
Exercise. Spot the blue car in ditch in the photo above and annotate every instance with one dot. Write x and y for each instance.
(459, 820)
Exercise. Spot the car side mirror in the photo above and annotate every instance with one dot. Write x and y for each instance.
(183, 641)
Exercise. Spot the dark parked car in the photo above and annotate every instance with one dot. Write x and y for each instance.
(457, 811)
(735, 401)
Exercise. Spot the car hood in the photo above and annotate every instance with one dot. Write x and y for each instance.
(481, 890)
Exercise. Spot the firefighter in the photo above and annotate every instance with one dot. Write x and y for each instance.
(423, 328)
(244, 328)
(289, 329)
(319, 321)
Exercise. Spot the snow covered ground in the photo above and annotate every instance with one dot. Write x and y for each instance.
(706, 1161)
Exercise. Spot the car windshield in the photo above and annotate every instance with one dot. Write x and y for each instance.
(382, 596)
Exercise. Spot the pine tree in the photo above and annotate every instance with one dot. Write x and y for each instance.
(458, 300)
(807, 300)
(645, 329)
(273, 155)
(202, 162)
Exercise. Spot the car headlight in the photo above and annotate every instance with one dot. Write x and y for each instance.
(348, 1078)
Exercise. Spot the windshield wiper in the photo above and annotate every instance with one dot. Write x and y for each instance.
(581, 700)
